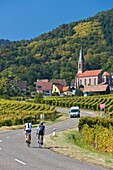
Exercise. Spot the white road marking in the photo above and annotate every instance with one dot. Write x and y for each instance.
(0, 148)
(0, 140)
(7, 137)
(20, 161)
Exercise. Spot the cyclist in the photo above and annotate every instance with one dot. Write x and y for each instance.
(40, 132)
(28, 129)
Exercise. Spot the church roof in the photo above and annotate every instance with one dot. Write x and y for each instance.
(90, 73)
(96, 88)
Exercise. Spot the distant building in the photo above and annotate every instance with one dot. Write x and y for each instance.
(44, 87)
(61, 90)
(101, 89)
(22, 85)
(91, 78)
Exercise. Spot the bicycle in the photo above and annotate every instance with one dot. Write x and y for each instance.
(28, 139)
(40, 140)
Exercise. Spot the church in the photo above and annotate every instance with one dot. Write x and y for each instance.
(93, 80)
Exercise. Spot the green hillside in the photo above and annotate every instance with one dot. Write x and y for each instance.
(55, 54)
(4, 42)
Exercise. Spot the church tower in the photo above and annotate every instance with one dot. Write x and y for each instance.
(81, 62)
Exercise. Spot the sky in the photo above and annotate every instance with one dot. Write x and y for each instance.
(27, 19)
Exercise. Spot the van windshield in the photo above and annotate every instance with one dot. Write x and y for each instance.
(74, 110)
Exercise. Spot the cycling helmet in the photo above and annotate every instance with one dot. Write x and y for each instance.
(29, 121)
(41, 123)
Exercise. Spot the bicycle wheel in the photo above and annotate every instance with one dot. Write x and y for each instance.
(40, 142)
(28, 142)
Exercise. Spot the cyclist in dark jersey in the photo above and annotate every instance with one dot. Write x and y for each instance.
(40, 132)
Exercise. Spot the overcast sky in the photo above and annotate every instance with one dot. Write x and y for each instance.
(26, 19)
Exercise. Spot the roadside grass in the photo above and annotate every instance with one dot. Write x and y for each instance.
(70, 143)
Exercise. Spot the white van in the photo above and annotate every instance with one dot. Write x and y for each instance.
(74, 111)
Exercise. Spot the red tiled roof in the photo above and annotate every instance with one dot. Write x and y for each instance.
(90, 73)
(43, 86)
(95, 88)
(106, 74)
(65, 88)
(60, 81)
(62, 88)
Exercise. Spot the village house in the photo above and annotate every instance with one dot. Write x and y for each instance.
(58, 89)
(92, 80)
(44, 87)
(22, 85)
(55, 87)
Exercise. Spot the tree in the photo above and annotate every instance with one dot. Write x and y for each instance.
(38, 98)
(79, 92)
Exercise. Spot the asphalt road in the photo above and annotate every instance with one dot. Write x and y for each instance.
(15, 155)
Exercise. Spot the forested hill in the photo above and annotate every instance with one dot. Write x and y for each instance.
(4, 42)
(55, 54)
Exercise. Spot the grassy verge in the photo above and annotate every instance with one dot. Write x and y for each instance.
(65, 143)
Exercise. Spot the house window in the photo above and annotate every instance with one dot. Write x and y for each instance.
(89, 81)
(46, 92)
(85, 82)
(39, 87)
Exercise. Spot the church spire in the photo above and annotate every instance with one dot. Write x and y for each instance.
(81, 62)
(81, 58)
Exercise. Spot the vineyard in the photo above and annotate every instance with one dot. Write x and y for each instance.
(96, 132)
(16, 113)
(89, 102)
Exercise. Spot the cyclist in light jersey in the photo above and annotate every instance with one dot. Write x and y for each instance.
(28, 129)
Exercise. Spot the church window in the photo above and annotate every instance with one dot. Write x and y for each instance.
(80, 82)
(89, 81)
(85, 82)
(94, 81)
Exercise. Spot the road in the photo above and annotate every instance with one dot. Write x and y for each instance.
(15, 155)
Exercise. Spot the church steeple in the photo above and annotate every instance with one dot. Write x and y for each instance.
(81, 62)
